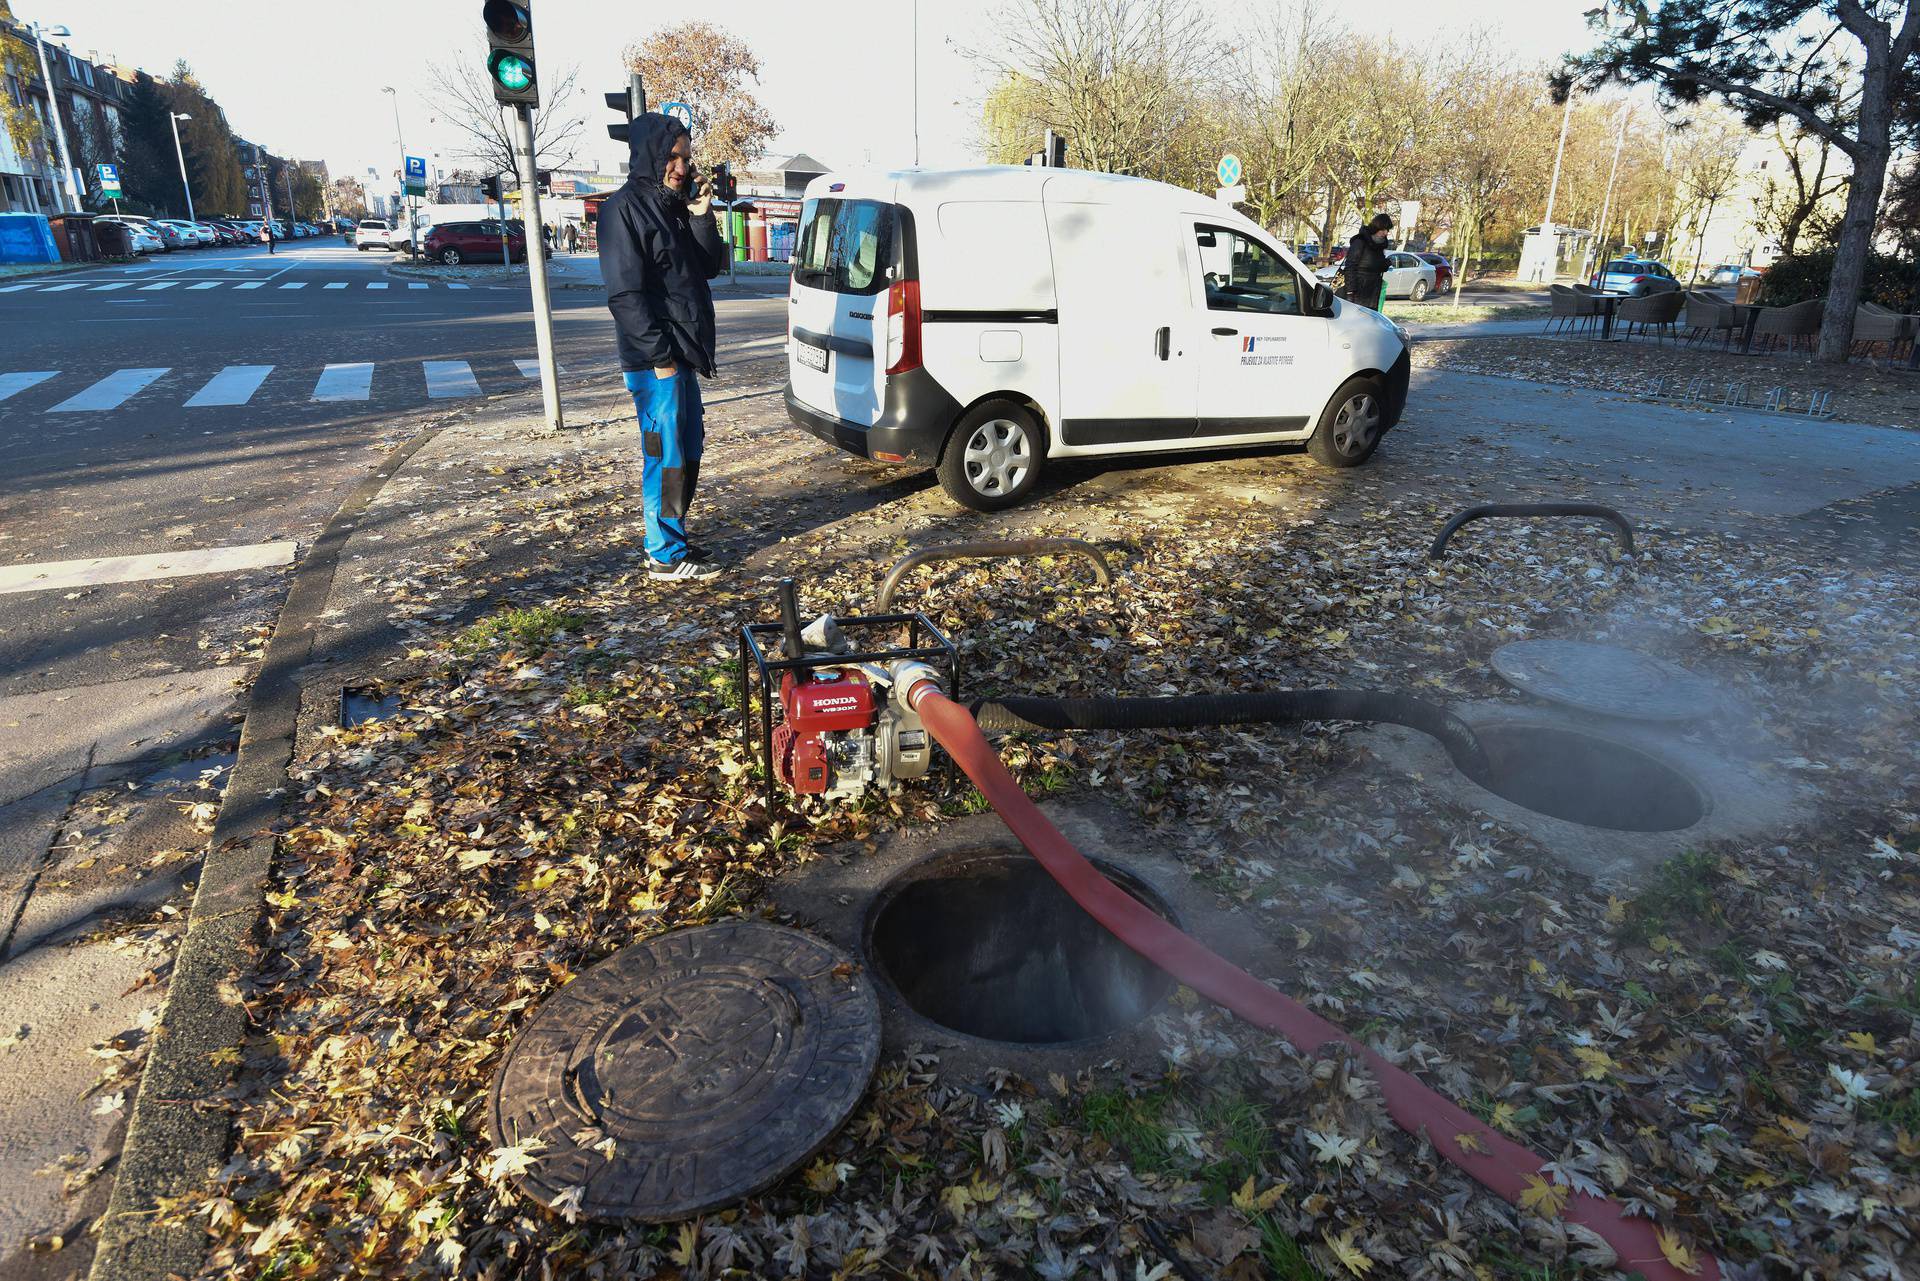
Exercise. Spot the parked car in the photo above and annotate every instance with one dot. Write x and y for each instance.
(1636, 277)
(1729, 274)
(172, 235)
(374, 233)
(1407, 276)
(191, 233)
(1310, 252)
(145, 239)
(1443, 270)
(904, 350)
(457, 242)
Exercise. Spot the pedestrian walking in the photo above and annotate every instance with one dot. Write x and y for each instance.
(658, 249)
(546, 236)
(1366, 264)
(573, 238)
(267, 228)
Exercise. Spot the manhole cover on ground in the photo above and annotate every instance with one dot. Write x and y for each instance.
(1607, 680)
(715, 1060)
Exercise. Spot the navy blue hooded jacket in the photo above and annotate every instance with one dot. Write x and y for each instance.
(656, 259)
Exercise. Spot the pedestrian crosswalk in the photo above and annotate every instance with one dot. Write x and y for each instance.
(150, 387)
(84, 287)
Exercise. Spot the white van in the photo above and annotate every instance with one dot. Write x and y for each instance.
(982, 321)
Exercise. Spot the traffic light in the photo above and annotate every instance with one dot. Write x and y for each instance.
(492, 187)
(510, 52)
(725, 187)
(629, 102)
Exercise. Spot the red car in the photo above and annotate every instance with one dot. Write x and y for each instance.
(1442, 269)
(457, 242)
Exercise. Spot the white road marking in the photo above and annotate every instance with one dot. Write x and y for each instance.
(14, 384)
(14, 289)
(118, 284)
(454, 285)
(338, 284)
(250, 284)
(207, 284)
(528, 368)
(376, 284)
(158, 284)
(344, 382)
(416, 285)
(49, 575)
(233, 385)
(110, 392)
(60, 289)
(295, 284)
(449, 379)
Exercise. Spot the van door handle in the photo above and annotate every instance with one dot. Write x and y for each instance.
(1224, 332)
(1163, 341)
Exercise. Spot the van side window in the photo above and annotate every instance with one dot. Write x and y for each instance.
(846, 246)
(1243, 275)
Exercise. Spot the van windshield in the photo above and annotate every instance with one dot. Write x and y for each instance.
(845, 246)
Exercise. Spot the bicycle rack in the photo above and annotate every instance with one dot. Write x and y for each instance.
(1703, 392)
(1623, 532)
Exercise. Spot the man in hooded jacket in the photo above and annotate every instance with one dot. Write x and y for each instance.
(1366, 264)
(658, 249)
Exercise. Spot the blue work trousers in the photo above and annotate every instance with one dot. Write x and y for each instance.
(673, 434)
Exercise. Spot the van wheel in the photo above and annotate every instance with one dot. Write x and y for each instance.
(993, 458)
(1419, 291)
(1350, 425)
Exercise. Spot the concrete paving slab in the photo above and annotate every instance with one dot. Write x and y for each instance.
(55, 1005)
(1712, 469)
(45, 737)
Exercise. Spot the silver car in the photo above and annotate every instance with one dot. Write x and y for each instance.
(1407, 276)
(1635, 277)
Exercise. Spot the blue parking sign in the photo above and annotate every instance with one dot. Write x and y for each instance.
(416, 168)
(109, 179)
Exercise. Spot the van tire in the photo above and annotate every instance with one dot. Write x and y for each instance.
(1351, 424)
(993, 457)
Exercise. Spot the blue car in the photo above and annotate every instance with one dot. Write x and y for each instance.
(1635, 277)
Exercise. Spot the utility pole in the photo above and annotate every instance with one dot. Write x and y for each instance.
(916, 83)
(174, 118)
(53, 109)
(413, 243)
(1553, 190)
(537, 266)
(1606, 205)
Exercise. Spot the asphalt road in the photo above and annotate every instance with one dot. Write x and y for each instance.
(223, 398)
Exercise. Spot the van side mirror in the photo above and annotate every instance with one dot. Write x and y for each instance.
(1323, 299)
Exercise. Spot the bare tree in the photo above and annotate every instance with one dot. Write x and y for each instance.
(1706, 161)
(1280, 116)
(1788, 203)
(464, 98)
(1121, 79)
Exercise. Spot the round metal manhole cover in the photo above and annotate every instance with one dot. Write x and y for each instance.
(1607, 680)
(686, 1072)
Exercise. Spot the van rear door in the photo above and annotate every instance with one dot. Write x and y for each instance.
(846, 256)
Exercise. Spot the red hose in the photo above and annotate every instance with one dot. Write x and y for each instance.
(1494, 1160)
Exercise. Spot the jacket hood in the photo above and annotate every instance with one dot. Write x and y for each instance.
(649, 140)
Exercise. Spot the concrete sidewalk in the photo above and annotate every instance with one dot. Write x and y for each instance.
(582, 271)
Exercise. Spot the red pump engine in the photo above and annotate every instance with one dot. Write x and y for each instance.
(841, 731)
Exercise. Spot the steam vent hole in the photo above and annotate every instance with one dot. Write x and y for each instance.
(986, 943)
(1584, 778)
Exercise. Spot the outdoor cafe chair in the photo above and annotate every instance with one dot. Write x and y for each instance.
(1655, 312)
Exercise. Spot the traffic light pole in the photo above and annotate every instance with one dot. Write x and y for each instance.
(537, 265)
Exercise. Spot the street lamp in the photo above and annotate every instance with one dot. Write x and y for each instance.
(174, 118)
(401, 137)
(53, 103)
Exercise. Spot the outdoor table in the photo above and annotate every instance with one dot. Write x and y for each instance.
(1609, 303)
(1752, 310)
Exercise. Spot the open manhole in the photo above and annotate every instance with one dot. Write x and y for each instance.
(984, 942)
(1585, 778)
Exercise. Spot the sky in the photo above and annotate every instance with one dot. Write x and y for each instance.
(305, 81)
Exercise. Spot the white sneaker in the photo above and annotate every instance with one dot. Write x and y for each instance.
(689, 567)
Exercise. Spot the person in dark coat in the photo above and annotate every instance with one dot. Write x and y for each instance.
(1366, 264)
(658, 249)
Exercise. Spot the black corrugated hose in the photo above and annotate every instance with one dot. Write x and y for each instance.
(1021, 712)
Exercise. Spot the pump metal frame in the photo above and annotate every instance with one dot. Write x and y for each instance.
(938, 652)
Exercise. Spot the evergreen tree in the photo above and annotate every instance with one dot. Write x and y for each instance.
(147, 169)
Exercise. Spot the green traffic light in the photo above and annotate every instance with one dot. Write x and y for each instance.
(513, 72)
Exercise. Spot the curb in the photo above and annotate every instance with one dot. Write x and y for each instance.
(178, 1127)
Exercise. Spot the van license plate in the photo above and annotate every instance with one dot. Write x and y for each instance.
(811, 356)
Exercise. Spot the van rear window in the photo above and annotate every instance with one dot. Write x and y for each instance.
(846, 246)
